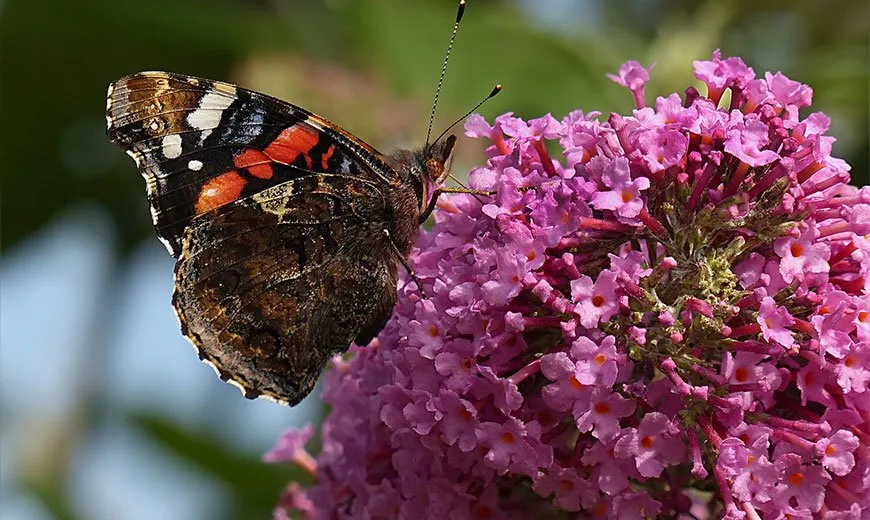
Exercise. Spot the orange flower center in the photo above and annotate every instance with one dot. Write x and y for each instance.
(508, 437)
(602, 408)
(741, 374)
(797, 250)
(796, 478)
(647, 442)
(600, 359)
(598, 300)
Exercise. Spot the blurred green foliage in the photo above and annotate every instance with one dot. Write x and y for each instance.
(371, 65)
(60, 56)
(251, 486)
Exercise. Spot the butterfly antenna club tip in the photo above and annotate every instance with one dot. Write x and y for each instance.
(492, 94)
(460, 10)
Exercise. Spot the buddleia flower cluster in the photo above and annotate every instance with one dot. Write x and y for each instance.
(656, 315)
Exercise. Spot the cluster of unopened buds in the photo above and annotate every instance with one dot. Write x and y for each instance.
(669, 319)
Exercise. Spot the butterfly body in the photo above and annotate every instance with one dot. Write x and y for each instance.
(287, 229)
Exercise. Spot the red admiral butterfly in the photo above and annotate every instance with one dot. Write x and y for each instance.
(286, 228)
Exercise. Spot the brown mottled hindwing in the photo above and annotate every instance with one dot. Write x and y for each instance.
(270, 287)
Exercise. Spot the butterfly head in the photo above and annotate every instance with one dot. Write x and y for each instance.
(437, 156)
(435, 170)
(426, 169)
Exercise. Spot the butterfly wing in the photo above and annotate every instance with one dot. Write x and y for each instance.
(270, 287)
(201, 144)
(276, 218)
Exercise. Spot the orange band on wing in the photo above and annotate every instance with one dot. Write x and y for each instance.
(223, 189)
(291, 143)
(324, 161)
(256, 162)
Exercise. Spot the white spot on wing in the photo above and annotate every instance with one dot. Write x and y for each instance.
(167, 245)
(109, 105)
(208, 114)
(345, 165)
(151, 187)
(136, 157)
(171, 146)
(195, 165)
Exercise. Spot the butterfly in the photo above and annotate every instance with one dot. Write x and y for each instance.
(286, 228)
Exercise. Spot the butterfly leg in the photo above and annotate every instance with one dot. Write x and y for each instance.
(404, 262)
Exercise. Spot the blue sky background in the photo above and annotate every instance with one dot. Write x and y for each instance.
(49, 292)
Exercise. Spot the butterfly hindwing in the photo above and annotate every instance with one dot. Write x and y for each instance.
(268, 288)
(201, 144)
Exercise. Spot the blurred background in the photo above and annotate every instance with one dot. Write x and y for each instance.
(105, 411)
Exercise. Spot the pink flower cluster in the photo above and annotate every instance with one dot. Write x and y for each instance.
(669, 319)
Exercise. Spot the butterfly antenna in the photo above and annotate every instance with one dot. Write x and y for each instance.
(491, 95)
(459, 12)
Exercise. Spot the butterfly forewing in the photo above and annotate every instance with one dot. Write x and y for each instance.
(280, 222)
(201, 144)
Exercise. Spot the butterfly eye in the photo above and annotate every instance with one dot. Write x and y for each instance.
(434, 168)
